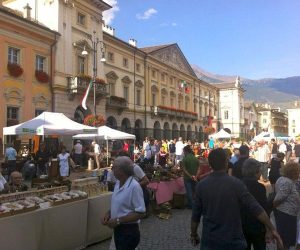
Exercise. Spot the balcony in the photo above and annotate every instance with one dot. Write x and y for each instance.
(172, 112)
(78, 85)
(116, 102)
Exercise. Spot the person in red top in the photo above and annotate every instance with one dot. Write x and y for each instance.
(126, 146)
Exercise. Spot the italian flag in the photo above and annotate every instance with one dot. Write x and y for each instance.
(86, 94)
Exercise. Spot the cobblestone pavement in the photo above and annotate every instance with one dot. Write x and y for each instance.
(158, 234)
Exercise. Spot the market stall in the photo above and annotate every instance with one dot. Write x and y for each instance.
(164, 190)
(49, 123)
(222, 134)
(106, 133)
(97, 207)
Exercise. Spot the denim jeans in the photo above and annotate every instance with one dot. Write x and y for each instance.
(189, 190)
(127, 236)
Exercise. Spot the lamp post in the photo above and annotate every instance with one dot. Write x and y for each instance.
(95, 41)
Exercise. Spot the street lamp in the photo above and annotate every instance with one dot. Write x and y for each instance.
(95, 41)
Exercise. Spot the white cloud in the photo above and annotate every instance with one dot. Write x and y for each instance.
(167, 24)
(109, 15)
(147, 14)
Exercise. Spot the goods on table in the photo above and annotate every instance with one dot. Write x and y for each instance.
(11, 204)
(90, 185)
(158, 173)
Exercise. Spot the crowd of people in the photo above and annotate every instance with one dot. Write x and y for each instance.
(225, 184)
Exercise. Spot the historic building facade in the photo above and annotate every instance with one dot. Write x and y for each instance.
(252, 121)
(155, 92)
(294, 120)
(273, 120)
(231, 105)
(26, 51)
(147, 91)
(80, 25)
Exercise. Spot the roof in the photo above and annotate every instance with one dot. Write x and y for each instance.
(19, 15)
(151, 49)
(225, 85)
(102, 5)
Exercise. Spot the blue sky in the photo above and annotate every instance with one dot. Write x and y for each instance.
(251, 38)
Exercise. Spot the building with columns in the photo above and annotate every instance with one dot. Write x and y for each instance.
(153, 91)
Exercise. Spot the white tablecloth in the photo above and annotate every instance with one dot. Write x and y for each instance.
(97, 207)
(62, 227)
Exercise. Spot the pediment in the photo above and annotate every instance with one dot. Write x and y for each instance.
(112, 75)
(14, 94)
(139, 83)
(164, 91)
(154, 88)
(173, 56)
(126, 80)
(83, 44)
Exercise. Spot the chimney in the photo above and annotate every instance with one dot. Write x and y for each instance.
(132, 42)
(27, 11)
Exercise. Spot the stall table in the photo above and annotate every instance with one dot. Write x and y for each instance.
(164, 190)
(58, 227)
(97, 207)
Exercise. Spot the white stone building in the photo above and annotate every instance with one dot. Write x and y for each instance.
(294, 121)
(231, 106)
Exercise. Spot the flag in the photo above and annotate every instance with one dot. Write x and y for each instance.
(83, 102)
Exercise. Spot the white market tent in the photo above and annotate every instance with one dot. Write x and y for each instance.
(266, 136)
(221, 134)
(106, 133)
(49, 123)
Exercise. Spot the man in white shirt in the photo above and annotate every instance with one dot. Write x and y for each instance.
(263, 156)
(179, 150)
(127, 206)
(282, 147)
(78, 153)
(97, 153)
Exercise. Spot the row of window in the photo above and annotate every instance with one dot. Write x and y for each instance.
(13, 113)
(14, 57)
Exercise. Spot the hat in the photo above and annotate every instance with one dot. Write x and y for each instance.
(78, 141)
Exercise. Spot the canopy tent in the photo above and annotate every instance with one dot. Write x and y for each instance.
(106, 133)
(221, 134)
(266, 136)
(49, 123)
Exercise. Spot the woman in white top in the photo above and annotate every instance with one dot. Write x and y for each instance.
(63, 159)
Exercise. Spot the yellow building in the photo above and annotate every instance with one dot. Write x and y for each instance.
(155, 92)
(27, 61)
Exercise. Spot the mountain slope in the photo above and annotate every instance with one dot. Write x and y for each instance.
(281, 92)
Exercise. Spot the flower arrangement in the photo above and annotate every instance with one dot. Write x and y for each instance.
(41, 76)
(94, 120)
(84, 77)
(209, 130)
(100, 81)
(14, 69)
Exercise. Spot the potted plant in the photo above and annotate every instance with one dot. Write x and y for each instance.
(94, 120)
(41, 76)
(14, 69)
(100, 81)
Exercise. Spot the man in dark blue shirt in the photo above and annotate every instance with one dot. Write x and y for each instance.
(219, 199)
